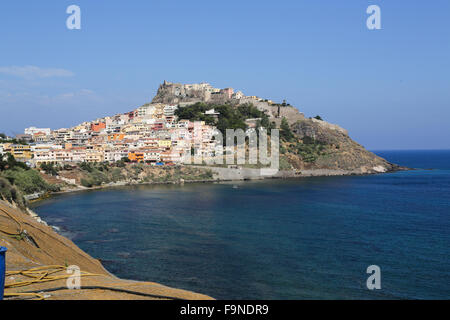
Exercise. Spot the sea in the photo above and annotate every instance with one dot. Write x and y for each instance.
(305, 238)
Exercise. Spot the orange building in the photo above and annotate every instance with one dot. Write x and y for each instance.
(134, 156)
(68, 146)
(116, 137)
(96, 127)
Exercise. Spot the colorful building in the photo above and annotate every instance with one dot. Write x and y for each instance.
(98, 126)
(21, 152)
(135, 156)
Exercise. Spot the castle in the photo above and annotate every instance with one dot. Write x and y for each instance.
(177, 93)
(186, 94)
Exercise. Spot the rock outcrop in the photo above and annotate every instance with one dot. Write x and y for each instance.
(186, 94)
(339, 152)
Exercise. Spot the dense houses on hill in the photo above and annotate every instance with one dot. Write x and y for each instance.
(150, 134)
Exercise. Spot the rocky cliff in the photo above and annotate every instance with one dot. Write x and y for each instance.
(331, 147)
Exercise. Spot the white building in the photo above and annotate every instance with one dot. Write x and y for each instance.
(147, 110)
(170, 110)
(33, 130)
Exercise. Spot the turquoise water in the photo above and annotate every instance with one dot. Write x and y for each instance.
(291, 239)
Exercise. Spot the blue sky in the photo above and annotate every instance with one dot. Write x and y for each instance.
(390, 88)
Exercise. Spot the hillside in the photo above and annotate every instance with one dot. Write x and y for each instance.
(321, 145)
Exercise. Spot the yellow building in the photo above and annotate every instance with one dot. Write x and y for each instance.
(94, 156)
(21, 152)
(164, 143)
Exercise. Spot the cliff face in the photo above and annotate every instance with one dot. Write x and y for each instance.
(175, 93)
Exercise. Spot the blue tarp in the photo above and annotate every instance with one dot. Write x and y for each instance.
(2, 271)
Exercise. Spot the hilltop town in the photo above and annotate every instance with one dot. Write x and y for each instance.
(152, 133)
(181, 121)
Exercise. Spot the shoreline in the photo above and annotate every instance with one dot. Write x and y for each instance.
(285, 175)
(310, 173)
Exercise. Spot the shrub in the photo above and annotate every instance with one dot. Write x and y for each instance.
(318, 118)
(310, 149)
(10, 163)
(10, 193)
(284, 163)
(96, 176)
(116, 175)
(120, 164)
(86, 166)
(28, 181)
(49, 168)
(285, 131)
(87, 183)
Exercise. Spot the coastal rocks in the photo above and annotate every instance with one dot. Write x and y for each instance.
(379, 169)
(33, 196)
(36, 217)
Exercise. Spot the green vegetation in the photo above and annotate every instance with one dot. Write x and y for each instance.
(284, 163)
(122, 163)
(116, 174)
(310, 149)
(230, 117)
(285, 131)
(10, 193)
(9, 162)
(94, 179)
(97, 174)
(192, 174)
(28, 181)
(318, 118)
(175, 174)
(17, 179)
(50, 168)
